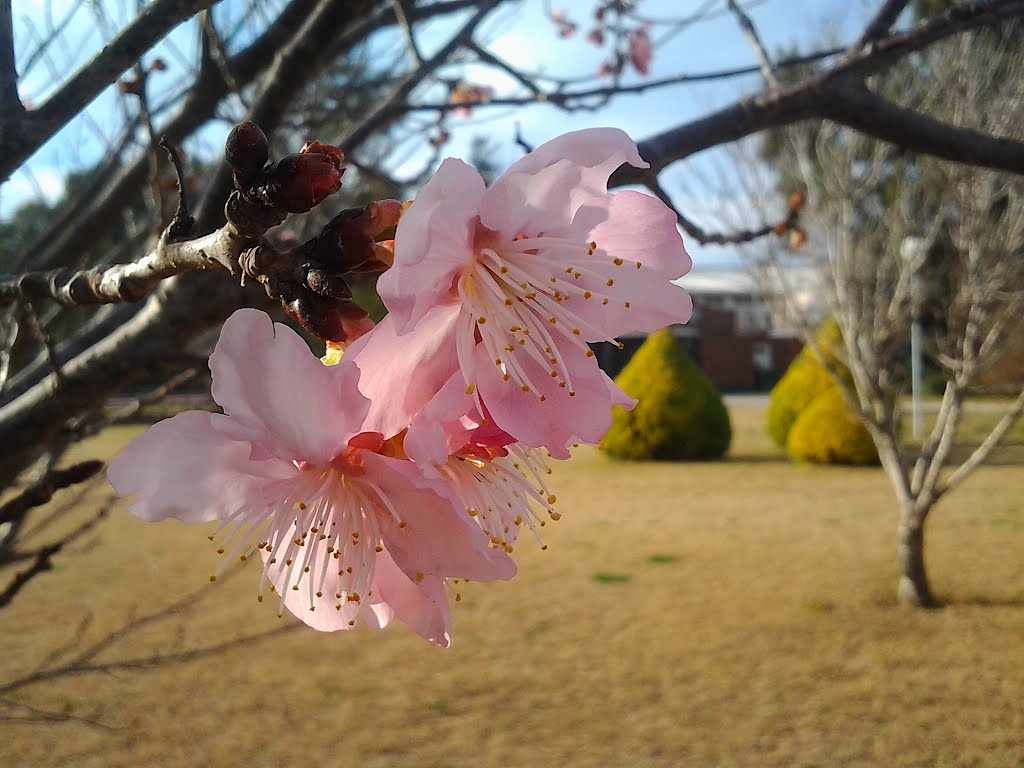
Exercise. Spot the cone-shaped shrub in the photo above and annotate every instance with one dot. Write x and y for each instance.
(827, 433)
(804, 380)
(680, 415)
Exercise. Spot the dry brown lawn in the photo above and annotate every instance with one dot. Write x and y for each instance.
(729, 614)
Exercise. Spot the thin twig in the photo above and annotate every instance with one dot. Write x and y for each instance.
(416, 58)
(750, 32)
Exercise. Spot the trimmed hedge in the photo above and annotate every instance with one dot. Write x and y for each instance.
(680, 415)
(803, 381)
(807, 415)
(827, 433)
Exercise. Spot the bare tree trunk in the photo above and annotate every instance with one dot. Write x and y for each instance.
(913, 589)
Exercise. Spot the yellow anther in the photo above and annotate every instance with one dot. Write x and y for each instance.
(471, 389)
(617, 262)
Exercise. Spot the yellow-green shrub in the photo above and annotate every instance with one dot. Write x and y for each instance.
(680, 414)
(803, 381)
(827, 433)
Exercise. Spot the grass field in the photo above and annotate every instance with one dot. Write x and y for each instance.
(729, 614)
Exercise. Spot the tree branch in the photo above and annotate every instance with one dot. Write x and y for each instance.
(814, 96)
(750, 32)
(983, 451)
(127, 282)
(11, 108)
(148, 28)
(869, 113)
(880, 23)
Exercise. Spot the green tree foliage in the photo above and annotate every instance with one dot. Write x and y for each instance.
(680, 415)
(827, 433)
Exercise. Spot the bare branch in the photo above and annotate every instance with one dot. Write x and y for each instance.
(127, 282)
(859, 108)
(400, 7)
(814, 96)
(42, 491)
(983, 451)
(11, 108)
(880, 23)
(715, 238)
(750, 32)
(153, 23)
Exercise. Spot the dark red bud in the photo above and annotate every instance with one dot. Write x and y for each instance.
(595, 36)
(303, 181)
(335, 320)
(246, 151)
(328, 150)
(327, 284)
(132, 87)
(158, 65)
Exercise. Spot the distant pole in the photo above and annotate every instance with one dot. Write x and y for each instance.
(910, 250)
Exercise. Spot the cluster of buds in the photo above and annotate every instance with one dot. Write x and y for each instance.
(297, 183)
(311, 280)
(791, 224)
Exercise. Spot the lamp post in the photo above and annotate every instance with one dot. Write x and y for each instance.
(912, 249)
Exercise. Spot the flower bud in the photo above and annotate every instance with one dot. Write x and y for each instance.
(246, 151)
(301, 182)
(381, 218)
(796, 201)
(340, 321)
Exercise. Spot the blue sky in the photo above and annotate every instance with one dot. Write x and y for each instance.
(521, 34)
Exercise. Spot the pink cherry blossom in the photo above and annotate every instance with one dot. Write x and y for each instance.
(498, 291)
(502, 489)
(347, 528)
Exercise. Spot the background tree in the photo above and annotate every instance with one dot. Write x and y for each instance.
(896, 237)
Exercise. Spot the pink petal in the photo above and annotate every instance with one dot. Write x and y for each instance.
(422, 607)
(265, 376)
(638, 227)
(400, 375)
(439, 537)
(189, 469)
(438, 429)
(653, 301)
(326, 617)
(433, 243)
(584, 159)
(561, 419)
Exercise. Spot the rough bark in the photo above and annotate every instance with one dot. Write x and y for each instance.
(914, 589)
